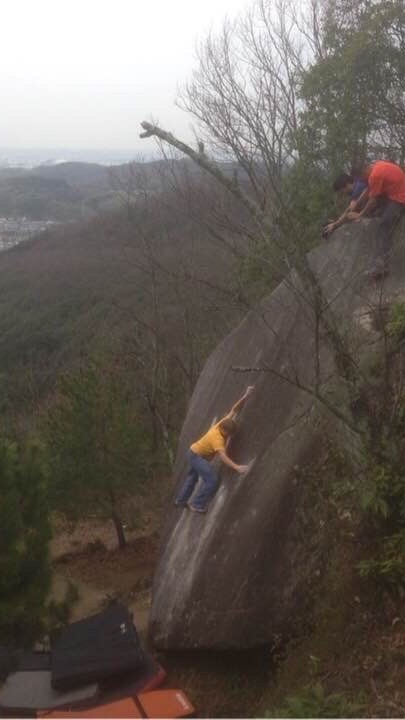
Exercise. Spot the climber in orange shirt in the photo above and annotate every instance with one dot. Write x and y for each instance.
(200, 454)
(385, 180)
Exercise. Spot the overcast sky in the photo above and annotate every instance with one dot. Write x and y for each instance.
(84, 73)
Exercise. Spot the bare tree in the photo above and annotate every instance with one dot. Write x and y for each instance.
(244, 95)
(163, 261)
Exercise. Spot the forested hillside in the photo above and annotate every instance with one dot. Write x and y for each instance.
(69, 191)
(146, 282)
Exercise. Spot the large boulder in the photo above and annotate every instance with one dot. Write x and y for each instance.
(232, 578)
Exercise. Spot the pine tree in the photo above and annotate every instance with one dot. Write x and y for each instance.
(99, 449)
(24, 538)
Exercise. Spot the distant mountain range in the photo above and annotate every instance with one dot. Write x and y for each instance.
(62, 191)
(32, 157)
(78, 190)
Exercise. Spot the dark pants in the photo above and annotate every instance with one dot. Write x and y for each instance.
(198, 468)
(391, 214)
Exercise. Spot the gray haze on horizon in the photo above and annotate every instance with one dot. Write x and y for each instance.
(85, 73)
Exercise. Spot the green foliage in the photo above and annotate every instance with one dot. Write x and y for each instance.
(388, 567)
(314, 702)
(379, 488)
(379, 493)
(396, 322)
(99, 448)
(311, 203)
(24, 538)
(353, 93)
(260, 270)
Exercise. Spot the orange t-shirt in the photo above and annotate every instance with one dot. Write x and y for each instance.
(386, 178)
(210, 443)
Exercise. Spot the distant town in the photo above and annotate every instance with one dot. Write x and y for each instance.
(14, 231)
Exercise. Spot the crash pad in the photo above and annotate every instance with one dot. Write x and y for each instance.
(32, 690)
(125, 708)
(165, 703)
(148, 676)
(98, 647)
(154, 704)
(32, 660)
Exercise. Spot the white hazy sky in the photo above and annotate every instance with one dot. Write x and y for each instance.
(84, 73)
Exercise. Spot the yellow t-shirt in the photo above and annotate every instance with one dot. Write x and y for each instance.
(210, 443)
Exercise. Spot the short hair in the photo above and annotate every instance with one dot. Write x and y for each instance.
(341, 181)
(227, 426)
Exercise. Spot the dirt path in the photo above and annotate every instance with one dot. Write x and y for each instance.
(88, 559)
(90, 534)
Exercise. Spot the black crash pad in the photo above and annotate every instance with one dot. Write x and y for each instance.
(98, 647)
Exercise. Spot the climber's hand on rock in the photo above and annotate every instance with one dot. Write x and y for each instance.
(249, 389)
(242, 469)
(328, 229)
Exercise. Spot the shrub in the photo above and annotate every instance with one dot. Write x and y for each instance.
(396, 321)
(314, 702)
(389, 565)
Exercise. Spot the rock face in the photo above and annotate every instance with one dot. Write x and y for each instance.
(233, 577)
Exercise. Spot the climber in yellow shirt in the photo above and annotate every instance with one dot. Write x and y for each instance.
(200, 454)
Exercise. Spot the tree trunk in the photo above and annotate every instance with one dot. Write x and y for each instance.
(120, 530)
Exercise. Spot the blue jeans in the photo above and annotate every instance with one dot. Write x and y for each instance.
(202, 468)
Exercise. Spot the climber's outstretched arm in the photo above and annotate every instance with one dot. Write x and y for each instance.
(240, 403)
(342, 219)
(370, 205)
(351, 213)
(361, 200)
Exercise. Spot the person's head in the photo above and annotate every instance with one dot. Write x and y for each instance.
(227, 427)
(361, 169)
(344, 184)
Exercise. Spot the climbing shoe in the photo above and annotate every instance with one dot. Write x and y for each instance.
(198, 510)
